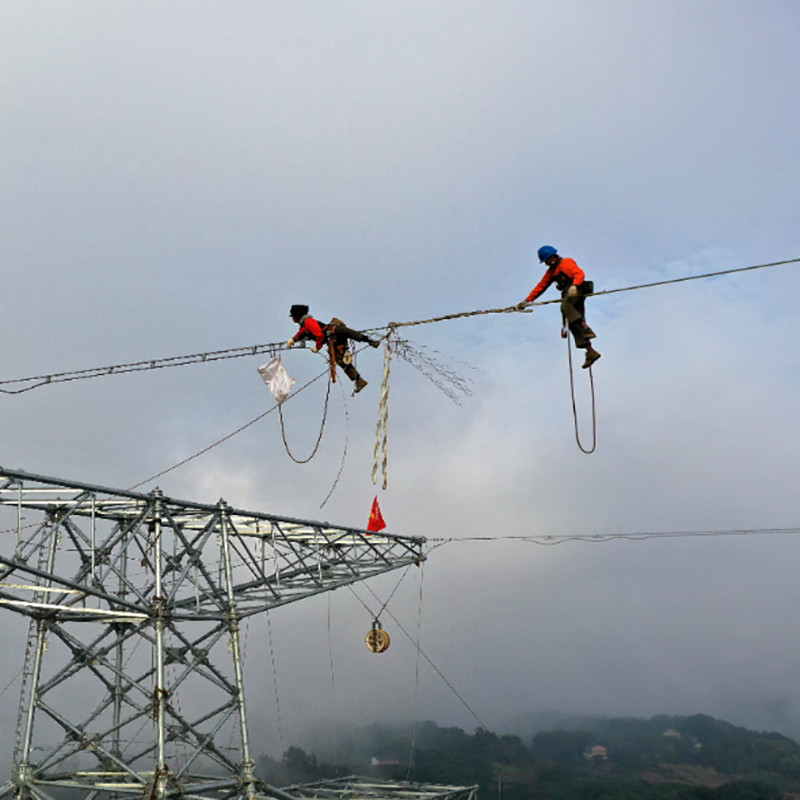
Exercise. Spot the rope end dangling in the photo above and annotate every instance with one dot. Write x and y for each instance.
(382, 429)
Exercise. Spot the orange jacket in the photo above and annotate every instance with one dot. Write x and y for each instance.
(310, 329)
(565, 273)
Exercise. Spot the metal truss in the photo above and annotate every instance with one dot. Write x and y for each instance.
(355, 787)
(132, 600)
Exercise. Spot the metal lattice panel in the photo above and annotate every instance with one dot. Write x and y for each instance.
(354, 787)
(133, 600)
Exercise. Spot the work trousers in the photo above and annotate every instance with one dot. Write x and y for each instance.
(338, 338)
(572, 308)
(573, 311)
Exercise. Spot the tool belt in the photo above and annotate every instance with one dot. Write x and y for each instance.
(587, 287)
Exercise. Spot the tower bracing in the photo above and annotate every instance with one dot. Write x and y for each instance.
(133, 674)
(357, 788)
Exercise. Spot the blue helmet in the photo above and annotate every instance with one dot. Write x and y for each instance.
(546, 251)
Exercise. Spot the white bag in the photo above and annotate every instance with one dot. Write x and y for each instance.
(277, 378)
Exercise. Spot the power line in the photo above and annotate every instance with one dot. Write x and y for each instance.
(141, 366)
(36, 381)
(528, 307)
(600, 538)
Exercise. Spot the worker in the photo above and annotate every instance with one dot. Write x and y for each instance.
(571, 280)
(337, 336)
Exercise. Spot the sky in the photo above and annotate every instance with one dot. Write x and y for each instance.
(173, 176)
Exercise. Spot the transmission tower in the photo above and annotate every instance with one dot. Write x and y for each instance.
(133, 600)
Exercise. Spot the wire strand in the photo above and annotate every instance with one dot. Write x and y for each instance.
(599, 538)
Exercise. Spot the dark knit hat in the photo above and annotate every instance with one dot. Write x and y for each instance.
(295, 312)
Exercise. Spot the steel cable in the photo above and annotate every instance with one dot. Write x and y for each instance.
(275, 347)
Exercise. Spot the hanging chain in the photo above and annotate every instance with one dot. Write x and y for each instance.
(382, 430)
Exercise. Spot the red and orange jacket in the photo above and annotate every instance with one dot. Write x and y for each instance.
(310, 329)
(565, 273)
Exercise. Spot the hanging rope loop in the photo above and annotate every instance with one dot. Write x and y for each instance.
(321, 427)
(574, 408)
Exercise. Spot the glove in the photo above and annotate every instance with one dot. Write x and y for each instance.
(290, 343)
(572, 292)
(373, 343)
(315, 349)
(522, 304)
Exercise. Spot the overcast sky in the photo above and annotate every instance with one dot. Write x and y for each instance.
(173, 176)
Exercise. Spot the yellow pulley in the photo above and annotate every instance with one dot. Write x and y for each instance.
(377, 639)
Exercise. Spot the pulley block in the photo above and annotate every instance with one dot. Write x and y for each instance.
(377, 639)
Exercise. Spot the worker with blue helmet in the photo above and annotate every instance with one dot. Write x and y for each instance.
(571, 280)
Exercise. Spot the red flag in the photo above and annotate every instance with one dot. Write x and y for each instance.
(376, 522)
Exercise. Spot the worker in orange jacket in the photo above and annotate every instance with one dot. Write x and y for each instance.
(571, 280)
(309, 328)
(338, 337)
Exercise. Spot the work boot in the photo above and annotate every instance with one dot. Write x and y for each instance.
(361, 383)
(591, 356)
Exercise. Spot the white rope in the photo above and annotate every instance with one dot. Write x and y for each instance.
(382, 430)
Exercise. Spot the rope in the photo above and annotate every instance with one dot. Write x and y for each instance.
(376, 617)
(321, 430)
(346, 445)
(575, 410)
(382, 430)
(394, 591)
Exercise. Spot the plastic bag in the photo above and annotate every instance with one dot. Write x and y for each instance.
(277, 378)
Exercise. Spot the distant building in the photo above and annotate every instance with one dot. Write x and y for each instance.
(596, 753)
(671, 733)
(384, 765)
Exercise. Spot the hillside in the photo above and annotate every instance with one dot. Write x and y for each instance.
(664, 757)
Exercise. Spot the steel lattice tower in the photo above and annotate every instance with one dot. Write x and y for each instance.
(132, 600)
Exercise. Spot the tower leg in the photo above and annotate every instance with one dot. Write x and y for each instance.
(248, 765)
